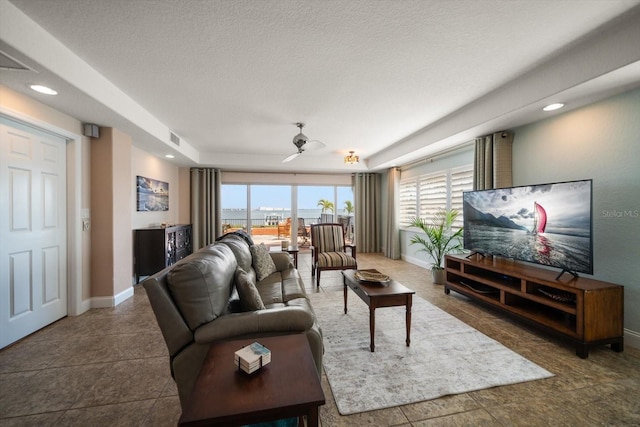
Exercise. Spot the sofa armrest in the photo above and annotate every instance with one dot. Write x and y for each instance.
(174, 329)
(281, 319)
(282, 260)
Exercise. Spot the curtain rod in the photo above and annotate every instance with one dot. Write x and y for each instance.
(442, 153)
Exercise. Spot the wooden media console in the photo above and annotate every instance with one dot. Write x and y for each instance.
(588, 312)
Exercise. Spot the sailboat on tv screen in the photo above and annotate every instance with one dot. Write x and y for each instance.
(539, 219)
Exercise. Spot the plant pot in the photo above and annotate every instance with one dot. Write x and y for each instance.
(438, 275)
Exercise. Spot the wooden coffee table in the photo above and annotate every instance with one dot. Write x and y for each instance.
(375, 295)
(287, 387)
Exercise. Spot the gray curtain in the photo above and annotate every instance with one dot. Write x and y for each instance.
(206, 211)
(392, 232)
(367, 197)
(492, 168)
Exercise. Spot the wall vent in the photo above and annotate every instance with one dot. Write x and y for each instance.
(174, 138)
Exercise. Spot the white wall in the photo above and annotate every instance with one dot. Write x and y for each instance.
(601, 142)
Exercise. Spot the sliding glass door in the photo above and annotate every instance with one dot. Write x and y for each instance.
(234, 208)
(270, 213)
(345, 210)
(274, 213)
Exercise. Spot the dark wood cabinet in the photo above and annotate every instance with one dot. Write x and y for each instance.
(587, 312)
(155, 248)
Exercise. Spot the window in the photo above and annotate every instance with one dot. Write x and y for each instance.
(426, 194)
(461, 180)
(408, 201)
(433, 193)
(262, 210)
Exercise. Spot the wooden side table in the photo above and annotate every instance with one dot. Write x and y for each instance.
(289, 386)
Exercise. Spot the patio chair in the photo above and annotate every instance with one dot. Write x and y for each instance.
(284, 228)
(303, 233)
(346, 223)
(329, 251)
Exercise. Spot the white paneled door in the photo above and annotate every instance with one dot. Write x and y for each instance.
(33, 232)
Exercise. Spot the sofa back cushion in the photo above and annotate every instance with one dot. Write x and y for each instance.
(240, 249)
(202, 283)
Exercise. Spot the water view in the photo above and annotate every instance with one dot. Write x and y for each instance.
(558, 250)
(262, 217)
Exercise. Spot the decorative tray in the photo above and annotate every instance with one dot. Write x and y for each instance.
(370, 276)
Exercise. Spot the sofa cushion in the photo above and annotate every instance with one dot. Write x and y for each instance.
(270, 289)
(262, 262)
(201, 284)
(241, 251)
(249, 297)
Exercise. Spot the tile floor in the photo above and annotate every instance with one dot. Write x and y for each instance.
(110, 367)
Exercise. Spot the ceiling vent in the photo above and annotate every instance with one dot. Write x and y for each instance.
(8, 63)
(174, 138)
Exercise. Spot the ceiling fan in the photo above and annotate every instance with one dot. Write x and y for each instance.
(302, 143)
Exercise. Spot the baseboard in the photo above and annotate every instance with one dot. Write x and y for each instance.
(106, 302)
(85, 306)
(416, 261)
(631, 338)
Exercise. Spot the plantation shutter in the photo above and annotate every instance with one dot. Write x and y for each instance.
(408, 201)
(461, 180)
(433, 194)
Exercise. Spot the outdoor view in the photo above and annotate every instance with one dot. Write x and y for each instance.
(265, 211)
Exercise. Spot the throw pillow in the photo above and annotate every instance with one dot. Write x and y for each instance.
(261, 261)
(249, 297)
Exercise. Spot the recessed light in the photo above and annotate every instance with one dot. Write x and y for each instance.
(552, 107)
(43, 89)
(169, 156)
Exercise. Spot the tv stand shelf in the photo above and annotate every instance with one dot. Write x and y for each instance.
(587, 312)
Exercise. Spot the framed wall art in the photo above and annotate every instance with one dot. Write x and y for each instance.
(151, 195)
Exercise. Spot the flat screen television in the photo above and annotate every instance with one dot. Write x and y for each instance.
(548, 224)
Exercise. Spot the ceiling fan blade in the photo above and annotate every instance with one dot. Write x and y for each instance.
(314, 145)
(291, 157)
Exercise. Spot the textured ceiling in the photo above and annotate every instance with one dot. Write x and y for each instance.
(232, 78)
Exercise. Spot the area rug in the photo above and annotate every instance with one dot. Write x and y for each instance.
(446, 355)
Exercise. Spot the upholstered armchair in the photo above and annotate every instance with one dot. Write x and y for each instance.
(329, 251)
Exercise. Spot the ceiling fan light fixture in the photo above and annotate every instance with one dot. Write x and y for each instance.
(291, 157)
(351, 159)
(302, 143)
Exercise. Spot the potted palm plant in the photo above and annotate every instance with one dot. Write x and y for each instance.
(440, 239)
(326, 205)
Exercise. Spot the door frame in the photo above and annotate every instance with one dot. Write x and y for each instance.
(75, 268)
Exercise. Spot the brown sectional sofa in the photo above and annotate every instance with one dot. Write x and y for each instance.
(196, 302)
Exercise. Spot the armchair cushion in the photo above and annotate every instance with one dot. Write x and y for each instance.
(249, 297)
(262, 261)
(335, 259)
